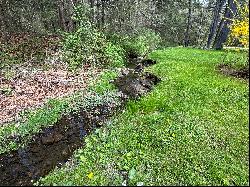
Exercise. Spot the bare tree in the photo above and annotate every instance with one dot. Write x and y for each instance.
(186, 39)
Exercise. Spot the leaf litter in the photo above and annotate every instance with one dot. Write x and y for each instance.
(30, 87)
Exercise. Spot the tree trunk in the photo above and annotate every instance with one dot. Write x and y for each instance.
(98, 21)
(186, 39)
(214, 25)
(92, 10)
(62, 21)
(103, 13)
(72, 25)
(3, 27)
(200, 41)
(224, 30)
(218, 31)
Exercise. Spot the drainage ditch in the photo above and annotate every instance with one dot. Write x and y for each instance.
(55, 145)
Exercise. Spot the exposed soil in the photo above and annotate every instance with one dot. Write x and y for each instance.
(242, 73)
(139, 63)
(135, 84)
(55, 145)
(52, 147)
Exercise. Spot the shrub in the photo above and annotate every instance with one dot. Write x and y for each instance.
(82, 46)
(151, 38)
(240, 26)
(139, 43)
(239, 35)
(114, 54)
(88, 45)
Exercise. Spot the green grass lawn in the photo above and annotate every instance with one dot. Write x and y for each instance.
(192, 129)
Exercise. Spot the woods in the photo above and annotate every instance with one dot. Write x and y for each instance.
(176, 21)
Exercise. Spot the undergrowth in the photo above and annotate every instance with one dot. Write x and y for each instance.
(86, 45)
(89, 45)
(24, 47)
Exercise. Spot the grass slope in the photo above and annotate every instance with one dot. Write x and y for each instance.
(192, 129)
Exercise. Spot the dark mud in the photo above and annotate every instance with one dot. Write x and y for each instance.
(55, 145)
(138, 63)
(242, 73)
(135, 84)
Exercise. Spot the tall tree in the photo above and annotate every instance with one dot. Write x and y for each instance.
(61, 13)
(98, 21)
(167, 17)
(215, 21)
(3, 27)
(71, 6)
(186, 39)
(223, 30)
(103, 13)
(91, 2)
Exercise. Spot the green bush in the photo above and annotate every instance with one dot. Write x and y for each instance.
(88, 45)
(114, 54)
(135, 46)
(139, 43)
(82, 46)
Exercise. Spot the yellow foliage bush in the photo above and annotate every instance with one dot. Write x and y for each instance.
(240, 26)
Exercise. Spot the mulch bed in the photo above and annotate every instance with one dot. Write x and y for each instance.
(242, 73)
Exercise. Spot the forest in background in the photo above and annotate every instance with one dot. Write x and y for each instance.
(183, 22)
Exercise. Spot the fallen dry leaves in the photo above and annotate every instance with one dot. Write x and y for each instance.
(31, 89)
